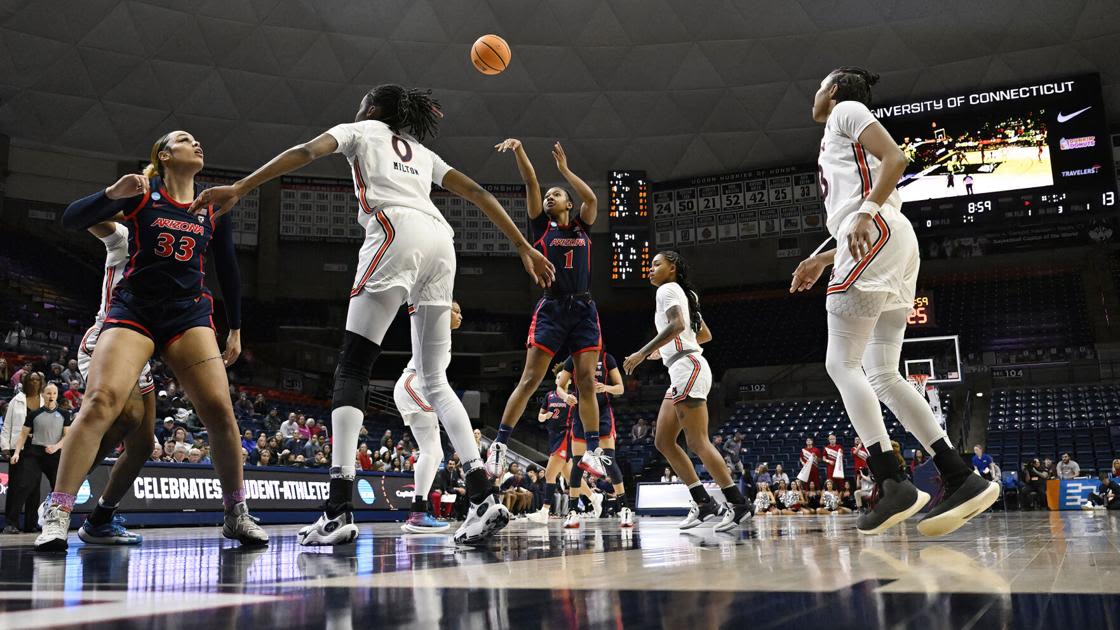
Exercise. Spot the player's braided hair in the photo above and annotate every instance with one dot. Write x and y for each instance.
(853, 84)
(683, 279)
(407, 108)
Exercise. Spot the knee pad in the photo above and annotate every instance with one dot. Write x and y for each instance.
(351, 376)
(613, 471)
(856, 304)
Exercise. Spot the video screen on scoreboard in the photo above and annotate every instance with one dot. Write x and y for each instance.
(1038, 135)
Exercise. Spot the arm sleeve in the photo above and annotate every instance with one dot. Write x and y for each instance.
(229, 273)
(347, 135)
(440, 169)
(852, 117)
(98, 207)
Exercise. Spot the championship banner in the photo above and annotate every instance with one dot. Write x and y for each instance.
(195, 488)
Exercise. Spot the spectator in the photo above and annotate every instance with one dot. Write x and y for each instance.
(74, 394)
(157, 453)
(168, 454)
(833, 457)
(478, 443)
(865, 487)
(314, 429)
(260, 406)
(164, 409)
(72, 373)
(274, 446)
(244, 454)
(247, 442)
(17, 378)
(1067, 468)
(779, 477)
(762, 475)
(194, 456)
(289, 427)
(859, 456)
(365, 462)
(1049, 468)
(302, 430)
(733, 450)
(320, 460)
(243, 406)
(264, 458)
(1116, 467)
(39, 443)
(1034, 481)
(55, 378)
(640, 430)
(1107, 496)
(180, 436)
(271, 421)
(668, 476)
(515, 493)
(387, 439)
(918, 459)
(5, 371)
(452, 482)
(180, 454)
(167, 430)
(28, 401)
(982, 463)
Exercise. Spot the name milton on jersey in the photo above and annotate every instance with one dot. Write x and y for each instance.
(182, 226)
(404, 168)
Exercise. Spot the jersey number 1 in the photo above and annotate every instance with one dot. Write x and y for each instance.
(164, 249)
(568, 258)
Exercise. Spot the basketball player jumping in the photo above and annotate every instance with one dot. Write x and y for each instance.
(408, 257)
(870, 294)
(566, 315)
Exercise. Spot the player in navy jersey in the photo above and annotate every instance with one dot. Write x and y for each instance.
(608, 384)
(566, 317)
(556, 414)
(162, 305)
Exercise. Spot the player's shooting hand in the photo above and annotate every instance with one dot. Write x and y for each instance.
(861, 236)
(537, 266)
(509, 144)
(806, 274)
(233, 348)
(224, 198)
(560, 157)
(128, 186)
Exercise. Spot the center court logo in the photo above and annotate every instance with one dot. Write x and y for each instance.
(365, 492)
(84, 493)
(1083, 142)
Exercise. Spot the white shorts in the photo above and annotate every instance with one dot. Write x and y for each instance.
(409, 249)
(689, 377)
(409, 400)
(891, 266)
(85, 357)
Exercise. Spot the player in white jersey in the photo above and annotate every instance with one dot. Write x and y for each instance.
(419, 416)
(136, 424)
(407, 257)
(680, 331)
(870, 294)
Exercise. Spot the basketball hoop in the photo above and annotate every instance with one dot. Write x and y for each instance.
(919, 382)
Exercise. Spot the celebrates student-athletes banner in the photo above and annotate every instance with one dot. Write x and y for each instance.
(195, 488)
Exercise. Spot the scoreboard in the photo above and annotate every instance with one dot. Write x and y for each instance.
(763, 203)
(631, 239)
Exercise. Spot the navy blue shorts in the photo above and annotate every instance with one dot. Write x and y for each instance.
(558, 443)
(162, 321)
(570, 322)
(606, 423)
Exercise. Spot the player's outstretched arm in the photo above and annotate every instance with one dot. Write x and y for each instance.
(528, 175)
(536, 265)
(810, 269)
(110, 204)
(589, 209)
(295, 158)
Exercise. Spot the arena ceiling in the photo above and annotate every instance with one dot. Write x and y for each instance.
(677, 87)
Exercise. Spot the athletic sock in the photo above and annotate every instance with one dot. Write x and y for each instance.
(699, 494)
(883, 465)
(62, 500)
(504, 431)
(478, 485)
(419, 505)
(619, 502)
(952, 468)
(231, 499)
(102, 514)
(734, 495)
(341, 491)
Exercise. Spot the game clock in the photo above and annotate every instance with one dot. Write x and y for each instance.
(630, 229)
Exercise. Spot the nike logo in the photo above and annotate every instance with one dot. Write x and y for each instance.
(1064, 117)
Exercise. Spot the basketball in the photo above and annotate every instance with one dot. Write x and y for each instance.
(490, 54)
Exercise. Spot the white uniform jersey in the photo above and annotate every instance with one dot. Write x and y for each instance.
(389, 169)
(669, 295)
(847, 170)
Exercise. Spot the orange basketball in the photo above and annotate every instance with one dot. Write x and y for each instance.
(490, 54)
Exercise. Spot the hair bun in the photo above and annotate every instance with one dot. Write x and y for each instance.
(871, 78)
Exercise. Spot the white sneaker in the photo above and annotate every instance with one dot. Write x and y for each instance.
(596, 505)
(698, 513)
(42, 512)
(733, 515)
(483, 521)
(572, 520)
(595, 463)
(56, 525)
(540, 517)
(328, 531)
(1084, 506)
(496, 459)
(625, 517)
(239, 525)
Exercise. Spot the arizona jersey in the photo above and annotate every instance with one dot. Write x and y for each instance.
(167, 246)
(847, 170)
(390, 169)
(669, 295)
(603, 368)
(568, 248)
(560, 410)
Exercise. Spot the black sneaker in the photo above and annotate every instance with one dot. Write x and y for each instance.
(974, 496)
(898, 501)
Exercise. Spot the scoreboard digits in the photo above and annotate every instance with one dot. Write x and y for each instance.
(631, 232)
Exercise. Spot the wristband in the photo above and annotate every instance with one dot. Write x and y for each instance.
(870, 208)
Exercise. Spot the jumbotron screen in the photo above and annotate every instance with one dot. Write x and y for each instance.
(1021, 152)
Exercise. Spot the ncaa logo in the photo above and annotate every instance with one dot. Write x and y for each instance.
(84, 493)
(365, 492)
(1077, 492)
(156, 196)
